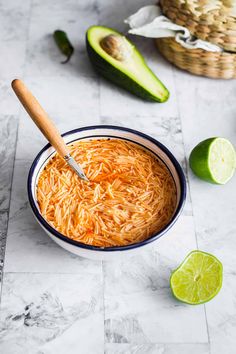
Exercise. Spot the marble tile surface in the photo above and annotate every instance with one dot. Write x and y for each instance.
(138, 305)
(51, 314)
(74, 17)
(8, 124)
(54, 302)
(112, 13)
(8, 99)
(14, 20)
(210, 105)
(12, 68)
(113, 99)
(157, 348)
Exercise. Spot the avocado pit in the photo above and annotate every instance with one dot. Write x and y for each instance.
(117, 47)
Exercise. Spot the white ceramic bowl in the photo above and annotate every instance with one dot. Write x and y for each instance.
(104, 131)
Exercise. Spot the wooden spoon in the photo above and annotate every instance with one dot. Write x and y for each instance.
(44, 123)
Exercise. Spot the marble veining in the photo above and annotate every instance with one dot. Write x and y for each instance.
(8, 131)
(54, 302)
(138, 305)
(213, 114)
(46, 309)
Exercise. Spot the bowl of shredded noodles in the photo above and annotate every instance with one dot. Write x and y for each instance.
(136, 192)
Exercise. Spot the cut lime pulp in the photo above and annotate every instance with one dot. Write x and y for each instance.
(198, 279)
(213, 160)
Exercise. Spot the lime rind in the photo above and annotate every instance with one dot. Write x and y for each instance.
(213, 160)
(191, 295)
(222, 160)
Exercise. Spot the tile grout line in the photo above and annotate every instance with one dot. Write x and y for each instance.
(56, 273)
(102, 262)
(208, 333)
(191, 201)
(27, 40)
(185, 155)
(156, 343)
(14, 160)
(104, 315)
(9, 206)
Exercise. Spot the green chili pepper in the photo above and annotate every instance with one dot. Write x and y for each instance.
(63, 44)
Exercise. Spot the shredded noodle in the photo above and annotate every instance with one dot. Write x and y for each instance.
(130, 194)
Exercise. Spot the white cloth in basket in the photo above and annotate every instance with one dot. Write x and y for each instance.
(149, 22)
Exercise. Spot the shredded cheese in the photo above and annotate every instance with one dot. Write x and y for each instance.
(130, 194)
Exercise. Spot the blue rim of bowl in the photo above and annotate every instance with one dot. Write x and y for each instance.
(54, 232)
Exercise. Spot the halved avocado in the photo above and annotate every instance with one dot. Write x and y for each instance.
(117, 59)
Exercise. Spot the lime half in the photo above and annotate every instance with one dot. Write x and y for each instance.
(198, 279)
(213, 160)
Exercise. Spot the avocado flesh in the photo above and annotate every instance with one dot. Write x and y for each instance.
(133, 74)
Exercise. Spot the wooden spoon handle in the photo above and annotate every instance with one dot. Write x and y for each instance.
(39, 116)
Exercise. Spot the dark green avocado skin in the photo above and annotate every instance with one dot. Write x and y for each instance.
(105, 69)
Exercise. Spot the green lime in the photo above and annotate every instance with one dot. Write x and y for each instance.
(198, 279)
(213, 160)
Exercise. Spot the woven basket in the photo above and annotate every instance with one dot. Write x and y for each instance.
(209, 20)
(198, 61)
